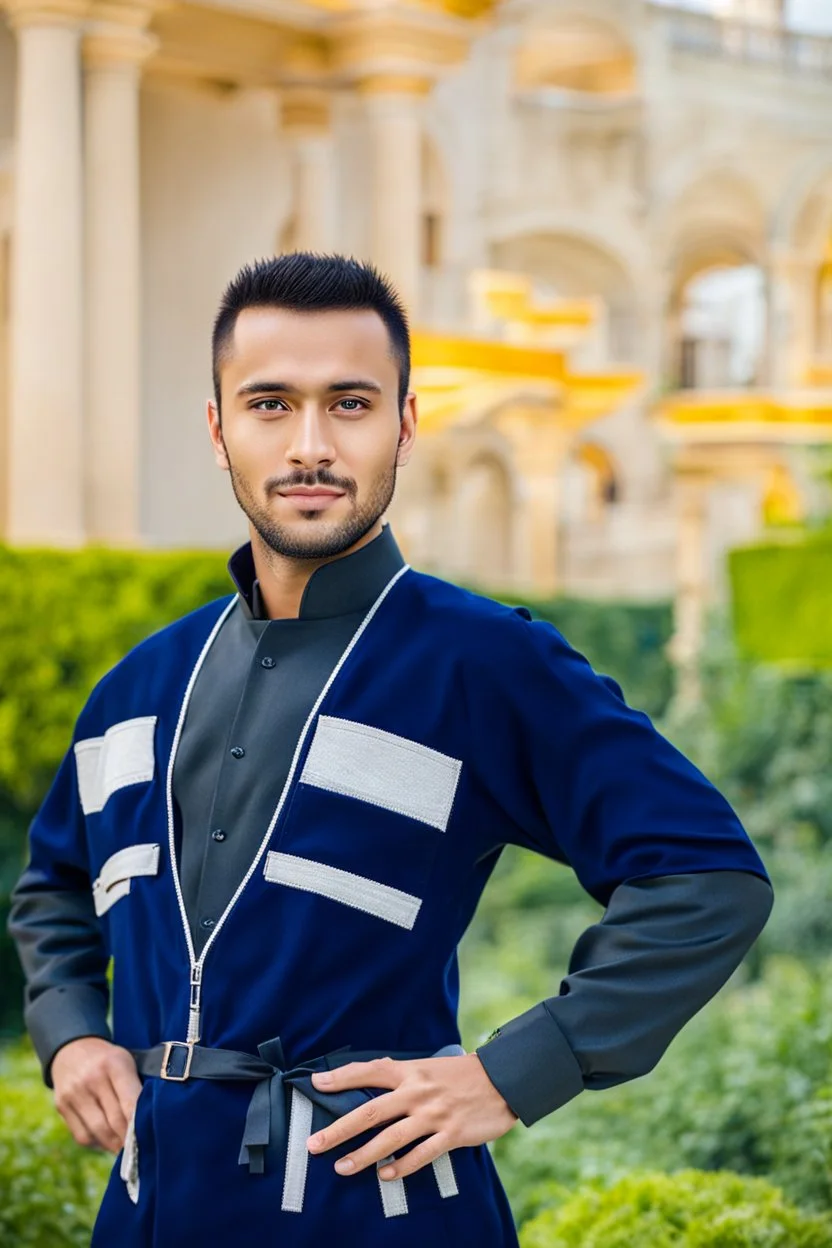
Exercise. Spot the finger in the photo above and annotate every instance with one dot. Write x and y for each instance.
(380, 1146)
(127, 1085)
(422, 1155)
(378, 1109)
(381, 1072)
(91, 1113)
(79, 1132)
(110, 1104)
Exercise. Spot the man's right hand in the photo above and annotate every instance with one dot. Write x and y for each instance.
(96, 1088)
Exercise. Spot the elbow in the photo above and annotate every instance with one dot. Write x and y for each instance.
(753, 899)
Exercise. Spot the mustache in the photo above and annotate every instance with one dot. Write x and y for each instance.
(319, 476)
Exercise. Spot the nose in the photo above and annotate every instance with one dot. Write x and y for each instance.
(310, 445)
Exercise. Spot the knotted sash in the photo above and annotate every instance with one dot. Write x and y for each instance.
(286, 1107)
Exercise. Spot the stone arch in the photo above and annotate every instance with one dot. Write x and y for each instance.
(798, 209)
(575, 266)
(575, 51)
(484, 509)
(717, 222)
(802, 243)
(718, 218)
(590, 483)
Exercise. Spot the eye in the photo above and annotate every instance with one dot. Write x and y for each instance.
(355, 405)
(269, 405)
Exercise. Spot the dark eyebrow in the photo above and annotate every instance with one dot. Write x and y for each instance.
(282, 387)
(270, 387)
(354, 384)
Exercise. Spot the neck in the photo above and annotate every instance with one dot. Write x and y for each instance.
(283, 579)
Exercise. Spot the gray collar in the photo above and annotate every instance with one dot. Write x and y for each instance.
(345, 586)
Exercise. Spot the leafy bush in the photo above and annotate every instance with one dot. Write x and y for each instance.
(746, 1087)
(50, 1188)
(686, 1210)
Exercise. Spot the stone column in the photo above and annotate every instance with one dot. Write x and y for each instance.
(539, 443)
(791, 329)
(113, 57)
(305, 115)
(45, 435)
(394, 112)
(691, 586)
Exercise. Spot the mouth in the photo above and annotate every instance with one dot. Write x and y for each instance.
(314, 499)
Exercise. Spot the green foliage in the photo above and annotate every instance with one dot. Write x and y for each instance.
(685, 1210)
(782, 601)
(746, 1087)
(49, 1187)
(764, 737)
(67, 618)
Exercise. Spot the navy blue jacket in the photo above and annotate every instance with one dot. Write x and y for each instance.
(451, 727)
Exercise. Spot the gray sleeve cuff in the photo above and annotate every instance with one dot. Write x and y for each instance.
(531, 1065)
(65, 1013)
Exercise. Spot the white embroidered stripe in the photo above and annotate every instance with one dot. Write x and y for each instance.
(352, 890)
(124, 755)
(120, 868)
(393, 1195)
(360, 761)
(445, 1177)
(297, 1154)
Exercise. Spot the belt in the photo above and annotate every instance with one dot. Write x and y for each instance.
(286, 1107)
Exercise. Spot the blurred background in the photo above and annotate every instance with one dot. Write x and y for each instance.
(611, 221)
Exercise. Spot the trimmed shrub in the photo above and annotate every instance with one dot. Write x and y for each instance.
(50, 1189)
(782, 601)
(685, 1210)
(746, 1087)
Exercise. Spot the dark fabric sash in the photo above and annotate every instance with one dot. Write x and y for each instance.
(266, 1133)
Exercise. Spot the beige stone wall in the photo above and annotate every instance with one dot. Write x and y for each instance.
(662, 162)
(214, 195)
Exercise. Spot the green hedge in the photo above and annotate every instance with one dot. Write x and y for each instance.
(782, 601)
(686, 1210)
(49, 1187)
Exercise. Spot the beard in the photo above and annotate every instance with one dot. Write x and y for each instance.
(324, 539)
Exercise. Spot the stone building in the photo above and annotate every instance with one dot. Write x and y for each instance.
(615, 152)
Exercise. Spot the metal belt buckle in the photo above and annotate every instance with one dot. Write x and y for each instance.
(170, 1045)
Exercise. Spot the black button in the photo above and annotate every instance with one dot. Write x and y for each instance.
(267, 662)
(237, 751)
(218, 834)
(208, 922)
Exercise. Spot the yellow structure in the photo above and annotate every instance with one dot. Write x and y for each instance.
(504, 414)
(548, 183)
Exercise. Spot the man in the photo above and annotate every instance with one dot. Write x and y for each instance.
(277, 816)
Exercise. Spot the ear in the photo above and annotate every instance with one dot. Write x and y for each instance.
(215, 432)
(407, 430)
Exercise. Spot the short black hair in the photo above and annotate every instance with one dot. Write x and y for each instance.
(303, 281)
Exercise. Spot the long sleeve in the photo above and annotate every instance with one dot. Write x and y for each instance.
(662, 949)
(578, 776)
(54, 925)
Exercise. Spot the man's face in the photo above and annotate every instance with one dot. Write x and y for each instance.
(311, 432)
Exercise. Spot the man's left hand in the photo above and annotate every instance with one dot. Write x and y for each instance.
(450, 1099)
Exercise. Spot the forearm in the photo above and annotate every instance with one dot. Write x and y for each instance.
(64, 960)
(661, 951)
